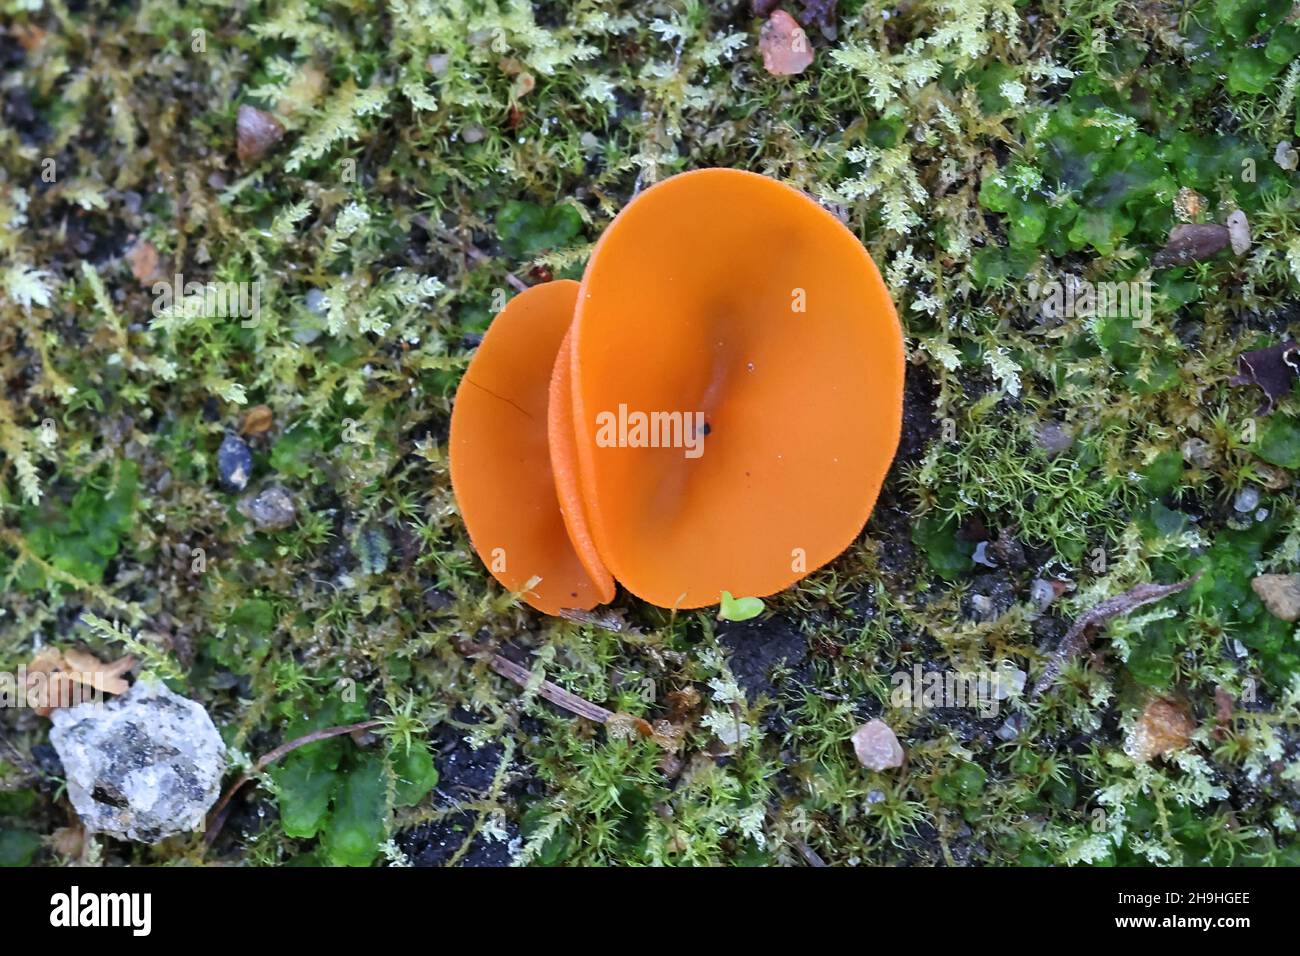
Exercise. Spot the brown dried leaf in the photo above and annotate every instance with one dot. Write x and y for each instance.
(68, 842)
(1191, 242)
(784, 45)
(258, 420)
(256, 132)
(59, 671)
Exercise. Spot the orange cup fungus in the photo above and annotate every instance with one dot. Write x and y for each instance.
(714, 408)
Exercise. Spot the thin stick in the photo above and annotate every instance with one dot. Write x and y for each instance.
(556, 694)
(1077, 636)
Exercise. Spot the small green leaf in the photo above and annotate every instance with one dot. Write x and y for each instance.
(527, 229)
(356, 825)
(306, 782)
(739, 609)
(416, 774)
(18, 846)
(1279, 442)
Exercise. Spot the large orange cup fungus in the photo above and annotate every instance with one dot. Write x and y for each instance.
(722, 411)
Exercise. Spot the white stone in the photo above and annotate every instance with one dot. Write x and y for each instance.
(877, 746)
(142, 766)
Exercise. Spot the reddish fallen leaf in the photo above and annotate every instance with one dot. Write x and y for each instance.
(1079, 634)
(1273, 369)
(784, 45)
(1191, 242)
(1225, 707)
(256, 132)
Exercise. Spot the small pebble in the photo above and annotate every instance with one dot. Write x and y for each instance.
(877, 746)
(256, 132)
(1239, 232)
(234, 463)
(1042, 594)
(1280, 594)
(1054, 438)
(316, 302)
(142, 766)
(1286, 156)
(1011, 727)
(1247, 500)
(981, 555)
(1197, 452)
(270, 509)
(1009, 681)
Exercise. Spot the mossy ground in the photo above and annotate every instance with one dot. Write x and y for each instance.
(975, 146)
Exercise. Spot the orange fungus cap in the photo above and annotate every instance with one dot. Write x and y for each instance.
(737, 370)
(501, 460)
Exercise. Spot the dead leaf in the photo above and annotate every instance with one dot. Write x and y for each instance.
(1225, 706)
(784, 45)
(1163, 727)
(306, 88)
(1191, 242)
(143, 259)
(52, 674)
(30, 36)
(1273, 369)
(258, 420)
(256, 132)
(68, 842)
(524, 83)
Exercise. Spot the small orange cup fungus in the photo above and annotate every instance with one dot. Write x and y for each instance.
(741, 304)
(501, 460)
(715, 409)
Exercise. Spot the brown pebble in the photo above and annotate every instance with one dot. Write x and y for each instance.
(257, 131)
